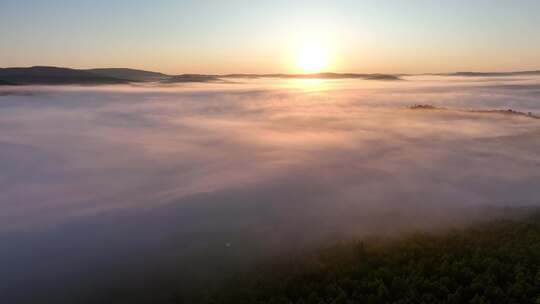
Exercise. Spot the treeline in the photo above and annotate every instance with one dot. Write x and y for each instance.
(497, 262)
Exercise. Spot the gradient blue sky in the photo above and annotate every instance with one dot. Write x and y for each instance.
(400, 36)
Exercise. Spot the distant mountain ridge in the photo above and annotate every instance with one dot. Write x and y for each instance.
(53, 75)
(2, 82)
(193, 78)
(318, 76)
(129, 74)
(47, 75)
(57, 75)
(493, 74)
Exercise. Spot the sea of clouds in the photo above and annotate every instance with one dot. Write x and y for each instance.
(114, 182)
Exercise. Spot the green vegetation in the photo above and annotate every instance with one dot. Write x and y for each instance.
(497, 262)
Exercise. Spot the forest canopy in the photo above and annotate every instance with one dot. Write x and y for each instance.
(498, 262)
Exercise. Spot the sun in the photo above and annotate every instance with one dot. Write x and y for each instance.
(312, 59)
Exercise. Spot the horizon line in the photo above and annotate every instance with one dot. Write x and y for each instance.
(277, 73)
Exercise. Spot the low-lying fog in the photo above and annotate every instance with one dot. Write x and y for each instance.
(123, 184)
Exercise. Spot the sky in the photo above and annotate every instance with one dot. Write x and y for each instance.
(400, 36)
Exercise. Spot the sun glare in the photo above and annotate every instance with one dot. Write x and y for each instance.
(312, 59)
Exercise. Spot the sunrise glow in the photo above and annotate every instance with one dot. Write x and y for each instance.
(312, 59)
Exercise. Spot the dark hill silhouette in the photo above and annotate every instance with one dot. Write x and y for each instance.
(494, 74)
(57, 76)
(317, 76)
(2, 82)
(54, 75)
(193, 78)
(129, 74)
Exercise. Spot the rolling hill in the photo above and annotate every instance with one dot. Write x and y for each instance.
(54, 75)
(129, 74)
(494, 74)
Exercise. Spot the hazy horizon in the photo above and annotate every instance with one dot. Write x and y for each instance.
(275, 73)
